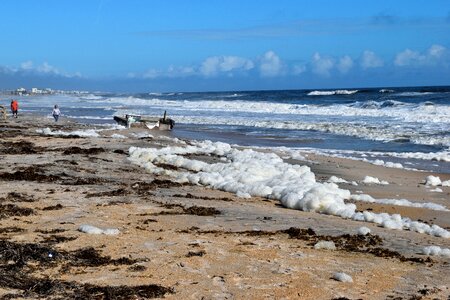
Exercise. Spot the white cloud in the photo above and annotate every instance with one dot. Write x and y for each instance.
(170, 72)
(271, 65)
(27, 65)
(370, 60)
(434, 55)
(322, 65)
(298, 69)
(437, 51)
(345, 64)
(173, 71)
(407, 57)
(152, 74)
(45, 69)
(212, 66)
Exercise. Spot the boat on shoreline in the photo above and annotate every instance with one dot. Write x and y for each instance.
(129, 121)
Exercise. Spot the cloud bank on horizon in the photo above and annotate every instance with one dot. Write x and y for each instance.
(215, 46)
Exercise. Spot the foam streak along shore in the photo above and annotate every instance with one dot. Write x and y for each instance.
(250, 173)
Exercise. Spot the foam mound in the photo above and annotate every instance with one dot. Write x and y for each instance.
(89, 229)
(248, 172)
(342, 277)
(327, 245)
(436, 251)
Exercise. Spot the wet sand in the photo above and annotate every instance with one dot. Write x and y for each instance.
(181, 241)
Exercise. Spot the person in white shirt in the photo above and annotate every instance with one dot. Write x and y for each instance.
(56, 112)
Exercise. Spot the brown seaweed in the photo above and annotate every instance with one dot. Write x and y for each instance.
(54, 207)
(118, 192)
(85, 151)
(12, 210)
(20, 147)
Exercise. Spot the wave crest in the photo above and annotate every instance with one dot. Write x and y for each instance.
(335, 92)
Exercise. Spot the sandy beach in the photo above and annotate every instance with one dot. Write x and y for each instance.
(79, 220)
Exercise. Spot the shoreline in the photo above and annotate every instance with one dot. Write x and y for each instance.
(198, 242)
(419, 154)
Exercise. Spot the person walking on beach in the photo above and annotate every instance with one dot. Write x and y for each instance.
(56, 112)
(14, 107)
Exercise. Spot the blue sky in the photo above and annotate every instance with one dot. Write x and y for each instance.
(223, 45)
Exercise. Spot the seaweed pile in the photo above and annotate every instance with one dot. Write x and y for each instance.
(19, 261)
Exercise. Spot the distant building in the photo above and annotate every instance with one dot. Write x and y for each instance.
(20, 92)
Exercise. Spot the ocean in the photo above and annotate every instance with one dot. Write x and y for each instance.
(407, 127)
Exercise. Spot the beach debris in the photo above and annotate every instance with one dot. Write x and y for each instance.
(12, 229)
(15, 259)
(342, 277)
(85, 151)
(118, 192)
(50, 231)
(137, 268)
(363, 230)
(195, 253)
(20, 147)
(436, 190)
(17, 197)
(54, 207)
(192, 210)
(374, 180)
(56, 239)
(119, 151)
(191, 196)
(89, 229)
(327, 245)
(368, 244)
(436, 251)
(143, 188)
(12, 210)
(130, 121)
(31, 173)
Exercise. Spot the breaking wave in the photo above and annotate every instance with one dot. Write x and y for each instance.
(335, 92)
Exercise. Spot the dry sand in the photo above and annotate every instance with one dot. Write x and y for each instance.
(190, 242)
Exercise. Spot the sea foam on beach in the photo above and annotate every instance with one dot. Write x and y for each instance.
(399, 202)
(374, 180)
(82, 133)
(266, 175)
(363, 230)
(342, 277)
(436, 251)
(89, 229)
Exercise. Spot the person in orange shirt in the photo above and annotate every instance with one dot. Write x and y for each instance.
(14, 108)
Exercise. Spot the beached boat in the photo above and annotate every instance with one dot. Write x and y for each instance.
(129, 121)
